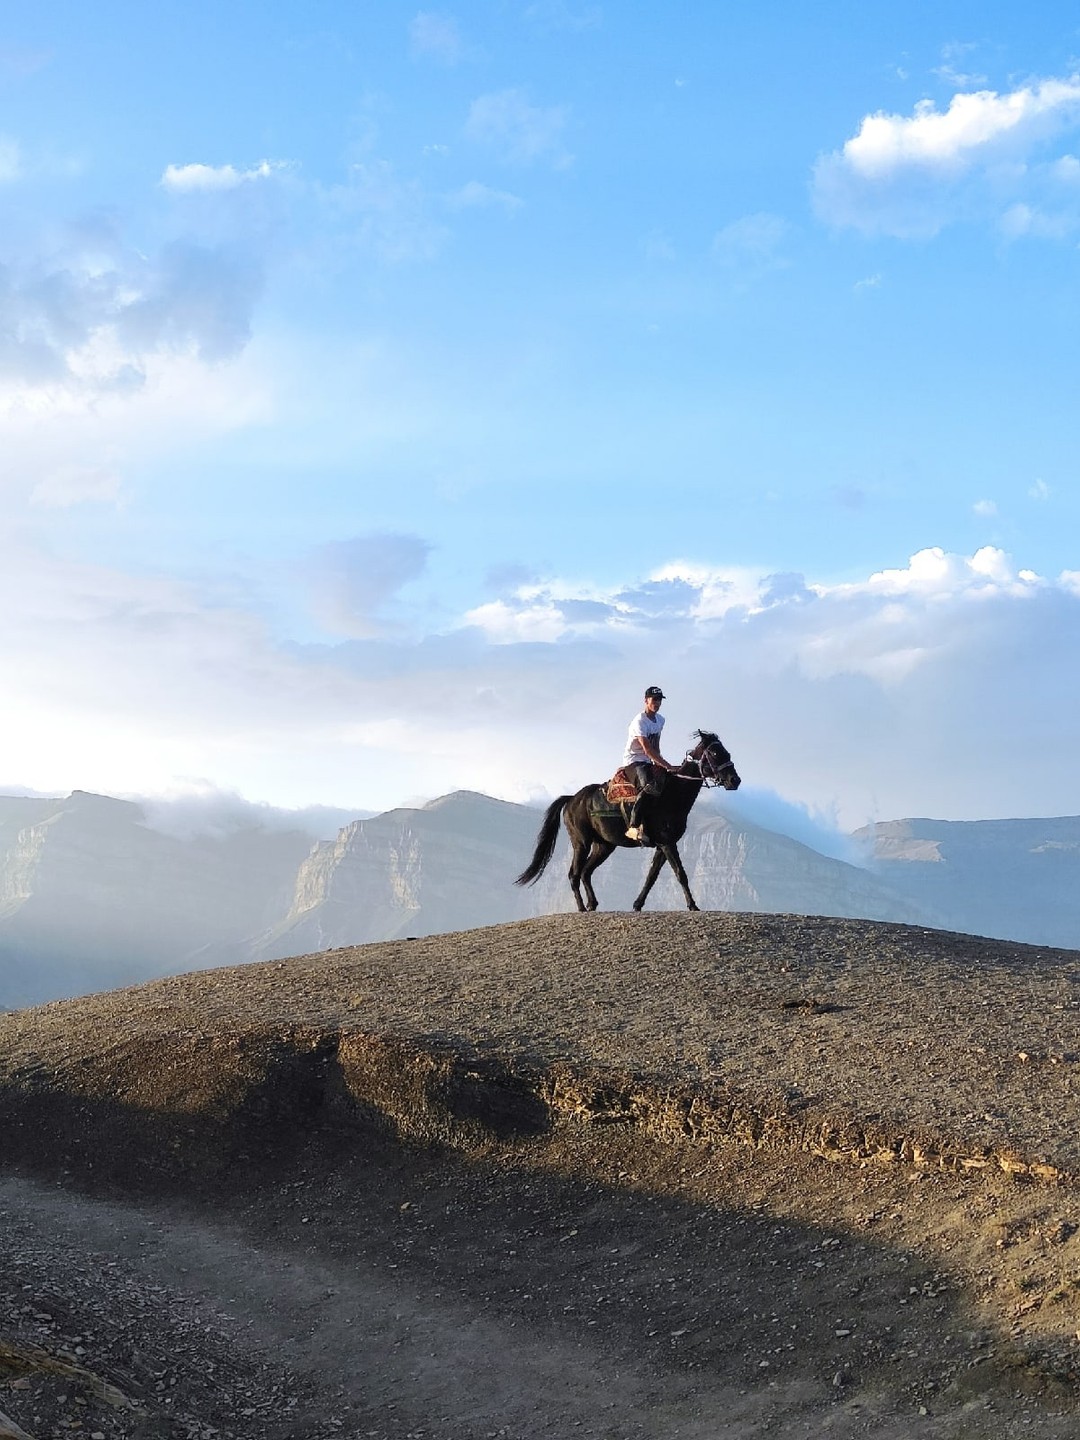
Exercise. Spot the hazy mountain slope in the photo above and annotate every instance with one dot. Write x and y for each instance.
(1014, 879)
(90, 897)
(451, 866)
(447, 866)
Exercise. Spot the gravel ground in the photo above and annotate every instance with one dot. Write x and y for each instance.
(604, 1175)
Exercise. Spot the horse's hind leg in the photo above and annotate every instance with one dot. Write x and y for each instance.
(650, 880)
(600, 851)
(577, 865)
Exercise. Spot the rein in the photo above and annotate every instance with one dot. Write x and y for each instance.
(712, 780)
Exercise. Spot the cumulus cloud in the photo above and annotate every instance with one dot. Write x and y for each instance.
(518, 131)
(353, 580)
(985, 154)
(436, 35)
(385, 214)
(475, 196)
(87, 318)
(944, 686)
(186, 178)
(955, 68)
(753, 242)
(872, 694)
(198, 807)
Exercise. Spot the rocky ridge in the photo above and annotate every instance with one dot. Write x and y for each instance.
(868, 1129)
(92, 897)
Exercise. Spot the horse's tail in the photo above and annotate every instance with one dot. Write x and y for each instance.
(545, 842)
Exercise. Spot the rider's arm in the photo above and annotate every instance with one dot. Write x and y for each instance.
(651, 745)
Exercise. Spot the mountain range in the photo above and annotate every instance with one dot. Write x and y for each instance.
(92, 896)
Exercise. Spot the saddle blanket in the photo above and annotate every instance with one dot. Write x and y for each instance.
(620, 790)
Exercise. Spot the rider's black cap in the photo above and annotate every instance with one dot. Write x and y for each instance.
(655, 690)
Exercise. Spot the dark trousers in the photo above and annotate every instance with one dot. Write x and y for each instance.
(649, 780)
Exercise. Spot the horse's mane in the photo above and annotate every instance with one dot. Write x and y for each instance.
(708, 735)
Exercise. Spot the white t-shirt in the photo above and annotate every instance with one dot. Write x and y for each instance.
(641, 725)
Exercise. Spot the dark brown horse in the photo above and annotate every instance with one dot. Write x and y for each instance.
(596, 828)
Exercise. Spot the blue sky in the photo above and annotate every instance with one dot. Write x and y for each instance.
(388, 394)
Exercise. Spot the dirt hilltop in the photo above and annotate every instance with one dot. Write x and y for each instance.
(780, 1174)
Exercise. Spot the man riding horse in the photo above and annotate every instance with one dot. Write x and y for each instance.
(596, 829)
(642, 761)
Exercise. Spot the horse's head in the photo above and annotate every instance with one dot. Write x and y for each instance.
(714, 761)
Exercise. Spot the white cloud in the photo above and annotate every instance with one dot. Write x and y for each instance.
(517, 130)
(752, 242)
(69, 485)
(475, 196)
(48, 432)
(385, 214)
(187, 178)
(953, 56)
(558, 15)
(87, 320)
(945, 686)
(869, 282)
(1039, 490)
(961, 135)
(911, 175)
(353, 581)
(437, 35)
(985, 508)
(198, 807)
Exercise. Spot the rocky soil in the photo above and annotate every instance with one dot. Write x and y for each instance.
(603, 1175)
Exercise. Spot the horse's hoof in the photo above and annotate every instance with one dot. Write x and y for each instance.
(637, 909)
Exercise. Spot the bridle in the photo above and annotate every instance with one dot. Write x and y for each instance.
(712, 774)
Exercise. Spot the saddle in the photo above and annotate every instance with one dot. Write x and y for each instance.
(620, 789)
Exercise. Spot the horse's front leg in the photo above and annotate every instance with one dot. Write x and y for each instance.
(675, 861)
(601, 849)
(650, 880)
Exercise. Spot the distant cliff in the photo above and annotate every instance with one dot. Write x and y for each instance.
(1012, 879)
(92, 897)
(451, 866)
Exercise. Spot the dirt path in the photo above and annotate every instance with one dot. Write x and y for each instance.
(472, 1309)
(801, 1177)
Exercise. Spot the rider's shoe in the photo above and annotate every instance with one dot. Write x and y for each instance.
(636, 833)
